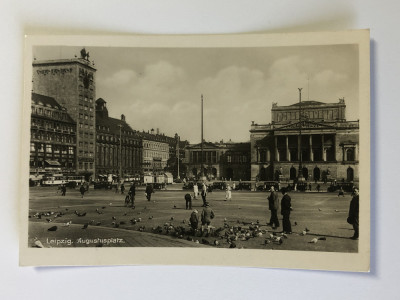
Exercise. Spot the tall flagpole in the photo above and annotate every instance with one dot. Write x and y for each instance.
(202, 139)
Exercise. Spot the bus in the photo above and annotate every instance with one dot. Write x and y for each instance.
(77, 179)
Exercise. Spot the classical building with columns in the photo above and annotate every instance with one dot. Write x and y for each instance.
(223, 160)
(313, 134)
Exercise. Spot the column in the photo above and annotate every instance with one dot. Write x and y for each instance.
(268, 155)
(311, 151)
(287, 149)
(276, 149)
(323, 148)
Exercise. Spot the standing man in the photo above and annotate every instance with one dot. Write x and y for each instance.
(63, 190)
(354, 214)
(132, 193)
(188, 199)
(195, 190)
(206, 216)
(273, 203)
(149, 191)
(82, 190)
(228, 195)
(204, 194)
(286, 207)
(122, 188)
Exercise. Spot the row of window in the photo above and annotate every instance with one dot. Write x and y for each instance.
(86, 116)
(48, 148)
(50, 113)
(46, 136)
(111, 138)
(320, 114)
(158, 154)
(85, 165)
(49, 125)
(157, 146)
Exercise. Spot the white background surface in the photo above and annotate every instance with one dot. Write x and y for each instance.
(173, 17)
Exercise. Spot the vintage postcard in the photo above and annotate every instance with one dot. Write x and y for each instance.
(233, 150)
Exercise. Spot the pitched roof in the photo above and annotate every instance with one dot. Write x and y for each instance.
(113, 124)
(46, 101)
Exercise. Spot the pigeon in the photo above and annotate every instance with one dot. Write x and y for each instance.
(322, 238)
(85, 226)
(103, 207)
(314, 241)
(266, 242)
(336, 210)
(110, 204)
(151, 217)
(295, 223)
(216, 243)
(66, 209)
(304, 232)
(174, 206)
(196, 241)
(49, 220)
(114, 218)
(232, 245)
(172, 218)
(319, 209)
(306, 229)
(67, 224)
(125, 214)
(54, 228)
(38, 244)
(225, 220)
(184, 221)
(258, 222)
(139, 220)
(91, 222)
(116, 225)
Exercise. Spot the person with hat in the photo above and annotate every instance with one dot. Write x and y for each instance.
(206, 216)
(194, 221)
(188, 199)
(204, 194)
(353, 217)
(273, 204)
(228, 194)
(286, 208)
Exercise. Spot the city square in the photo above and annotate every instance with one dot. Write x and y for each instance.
(318, 220)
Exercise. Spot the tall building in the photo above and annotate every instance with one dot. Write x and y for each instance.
(313, 135)
(118, 146)
(72, 82)
(53, 137)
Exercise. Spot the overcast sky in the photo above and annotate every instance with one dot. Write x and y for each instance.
(161, 88)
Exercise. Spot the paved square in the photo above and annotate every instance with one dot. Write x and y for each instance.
(110, 223)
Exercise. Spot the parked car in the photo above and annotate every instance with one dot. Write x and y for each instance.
(159, 186)
(219, 185)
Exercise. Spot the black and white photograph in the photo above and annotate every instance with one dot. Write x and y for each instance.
(236, 147)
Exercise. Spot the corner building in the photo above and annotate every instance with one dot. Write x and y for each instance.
(316, 133)
(72, 83)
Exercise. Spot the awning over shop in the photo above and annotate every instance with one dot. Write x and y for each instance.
(169, 175)
(53, 163)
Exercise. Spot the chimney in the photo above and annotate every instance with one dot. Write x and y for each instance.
(123, 117)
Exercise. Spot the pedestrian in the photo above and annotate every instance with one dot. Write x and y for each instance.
(341, 192)
(82, 190)
(309, 186)
(132, 193)
(149, 191)
(204, 194)
(122, 188)
(206, 216)
(318, 188)
(273, 204)
(188, 199)
(195, 190)
(228, 193)
(234, 186)
(63, 190)
(117, 187)
(87, 186)
(353, 217)
(286, 208)
(194, 221)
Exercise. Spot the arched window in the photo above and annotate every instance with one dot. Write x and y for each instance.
(350, 155)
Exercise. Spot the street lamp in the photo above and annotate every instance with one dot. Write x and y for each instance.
(120, 151)
(300, 175)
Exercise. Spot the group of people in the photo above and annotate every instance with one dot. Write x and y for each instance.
(286, 208)
(206, 216)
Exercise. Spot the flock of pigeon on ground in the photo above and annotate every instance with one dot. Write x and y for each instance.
(226, 236)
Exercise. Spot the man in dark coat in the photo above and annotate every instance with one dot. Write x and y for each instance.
(204, 194)
(82, 190)
(273, 203)
(132, 193)
(354, 214)
(188, 199)
(206, 216)
(149, 191)
(286, 207)
(194, 221)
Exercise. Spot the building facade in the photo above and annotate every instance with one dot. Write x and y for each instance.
(228, 161)
(118, 147)
(312, 134)
(53, 137)
(72, 82)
